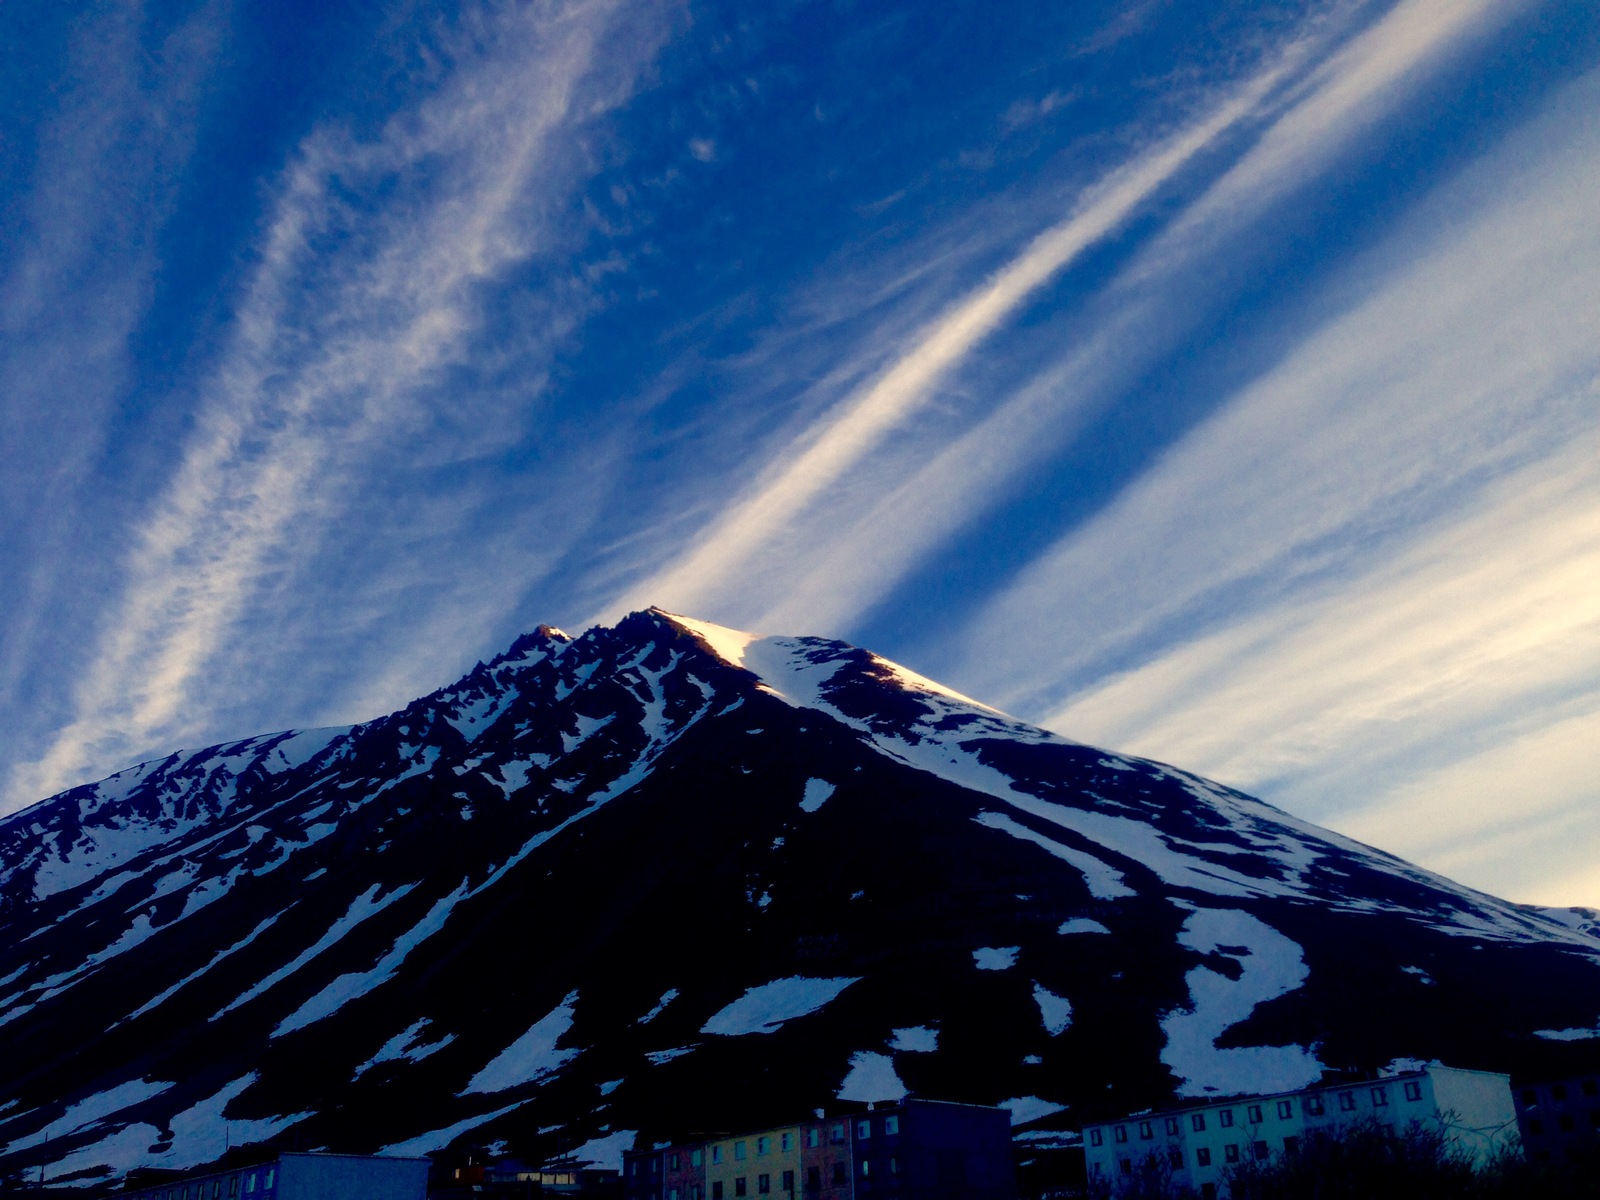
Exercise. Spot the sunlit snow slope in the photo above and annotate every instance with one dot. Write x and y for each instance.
(670, 876)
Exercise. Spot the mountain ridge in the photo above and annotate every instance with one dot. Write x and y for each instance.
(523, 908)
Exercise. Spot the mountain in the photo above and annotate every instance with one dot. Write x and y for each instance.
(666, 876)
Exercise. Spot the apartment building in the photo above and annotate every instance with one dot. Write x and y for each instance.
(1200, 1143)
(910, 1150)
(1559, 1118)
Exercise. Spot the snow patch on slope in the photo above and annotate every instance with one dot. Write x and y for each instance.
(362, 907)
(995, 958)
(91, 1110)
(438, 1139)
(1081, 925)
(354, 984)
(405, 1046)
(871, 1079)
(916, 1039)
(817, 791)
(1567, 1035)
(1103, 881)
(764, 1009)
(533, 1056)
(1030, 1108)
(1270, 966)
(1055, 1011)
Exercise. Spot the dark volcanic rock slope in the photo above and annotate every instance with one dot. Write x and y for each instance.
(666, 876)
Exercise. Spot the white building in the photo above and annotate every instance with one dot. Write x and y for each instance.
(1200, 1144)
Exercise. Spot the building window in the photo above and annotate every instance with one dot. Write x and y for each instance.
(1291, 1146)
(894, 1165)
(1566, 1122)
(1225, 1118)
(1208, 1191)
(272, 1177)
(740, 1188)
(891, 1125)
(837, 1133)
(1230, 1153)
(1413, 1090)
(1175, 1159)
(1314, 1106)
(1198, 1122)
(1529, 1097)
(864, 1129)
(696, 1157)
(1347, 1102)
(1590, 1088)
(1122, 1133)
(716, 1155)
(1558, 1093)
(672, 1194)
(249, 1183)
(1285, 1109)
(1255, 1114)
(787, 1141)
(840, 1175)
(1261, 1150)
(233, 1185)
(739, 1152)
(1094, 1137)
(866, 1167)
(1380, 1097)
(813, 1135)
(216, 1188)
(763, 1184)
(1172, 1126)
(813, 1179)
(716, 1189)
(1536, 1127)
(788, 1181)
(1125, 1165)
(672, 1162)
(1594, 1117)
(1202, 1157)
(764, 1145)
(1145, 1131)
(655, 1166)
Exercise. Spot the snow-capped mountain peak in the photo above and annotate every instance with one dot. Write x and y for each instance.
(561, 897)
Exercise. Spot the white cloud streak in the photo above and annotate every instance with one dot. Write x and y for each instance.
(846, 436)
(349, 316)
(75, 279)
(1368, 570)
(836, 521)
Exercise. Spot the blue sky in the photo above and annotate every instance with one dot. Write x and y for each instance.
(1216, 383)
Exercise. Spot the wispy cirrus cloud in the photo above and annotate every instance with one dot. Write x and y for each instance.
(756, 531)
(1365, 573)
(369, 285)
(844, 511)
(77, 271)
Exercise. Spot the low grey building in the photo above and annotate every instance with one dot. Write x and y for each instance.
(300, 1176)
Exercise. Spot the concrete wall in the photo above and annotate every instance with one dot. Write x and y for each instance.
(1476, 1110)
